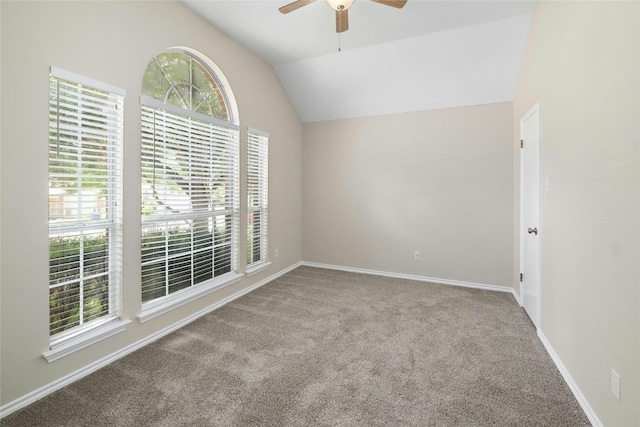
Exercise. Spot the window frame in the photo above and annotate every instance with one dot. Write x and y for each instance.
(156, 306)
(110, 133)
(257, 177)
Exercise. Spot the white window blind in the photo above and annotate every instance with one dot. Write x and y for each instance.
(257, 193)
(85, 203)
(190, 199)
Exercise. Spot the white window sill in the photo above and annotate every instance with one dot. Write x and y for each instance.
(257, 268)
(154, 309)
(86, 339)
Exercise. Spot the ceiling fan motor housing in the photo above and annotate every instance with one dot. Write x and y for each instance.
(340, 5)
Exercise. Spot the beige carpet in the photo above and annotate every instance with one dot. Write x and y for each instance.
(327, 348)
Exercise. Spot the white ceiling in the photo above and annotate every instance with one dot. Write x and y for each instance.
(428, 55)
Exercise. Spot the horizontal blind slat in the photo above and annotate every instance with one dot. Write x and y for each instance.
(189, 167)
(257, 187)
(85, 170)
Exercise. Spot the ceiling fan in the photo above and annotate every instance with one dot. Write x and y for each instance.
(342, 9)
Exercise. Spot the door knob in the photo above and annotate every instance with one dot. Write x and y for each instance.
(533, 230)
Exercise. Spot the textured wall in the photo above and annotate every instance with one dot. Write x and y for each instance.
(582, 64)
(113, 42)
(440, 182)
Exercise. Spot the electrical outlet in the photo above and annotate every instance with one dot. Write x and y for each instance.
(615, 384)
(277, 252)
(416, 255)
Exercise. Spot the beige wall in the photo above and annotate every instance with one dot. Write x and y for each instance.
(378, 188)
(112, 42)
(582, 64)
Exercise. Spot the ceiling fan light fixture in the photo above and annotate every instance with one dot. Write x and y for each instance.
(340, 5)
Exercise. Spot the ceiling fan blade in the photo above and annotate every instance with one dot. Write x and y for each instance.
(295, 5)
(393, 3)
(342, 20)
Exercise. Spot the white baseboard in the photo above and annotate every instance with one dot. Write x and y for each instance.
(74, 376)
(591, 415)
(518, 296)
(413, 277)
(38, 394)
(593, 418)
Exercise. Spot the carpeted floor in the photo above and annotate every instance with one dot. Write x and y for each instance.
(328, 348)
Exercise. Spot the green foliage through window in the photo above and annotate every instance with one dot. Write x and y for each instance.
(189, 171)
(179, 79)
(79, 278)
(85, 171)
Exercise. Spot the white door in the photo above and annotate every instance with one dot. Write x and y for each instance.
(530, 213)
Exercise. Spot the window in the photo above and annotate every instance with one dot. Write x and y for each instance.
(257, 193)
(85, 209)
(190, 178)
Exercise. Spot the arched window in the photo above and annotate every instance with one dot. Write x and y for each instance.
(190, 176)
(181, 79)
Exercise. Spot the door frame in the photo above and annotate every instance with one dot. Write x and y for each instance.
(535, 109)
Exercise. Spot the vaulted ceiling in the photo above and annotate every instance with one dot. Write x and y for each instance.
(428, 55)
